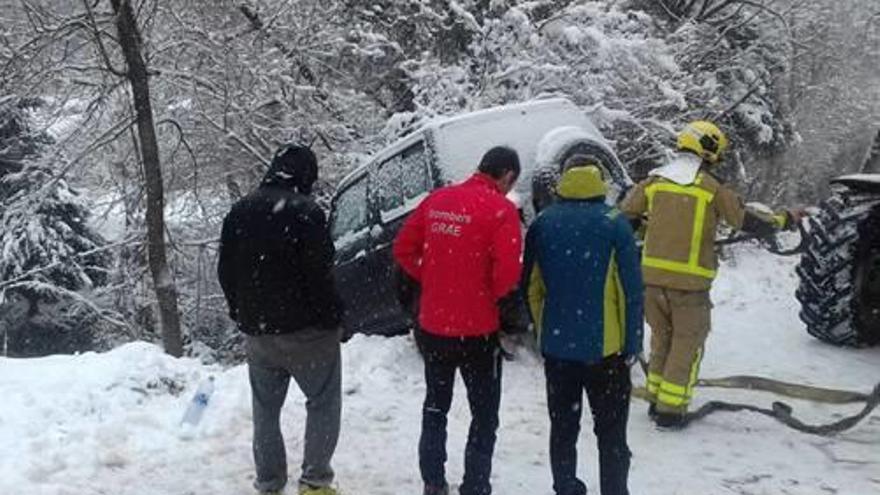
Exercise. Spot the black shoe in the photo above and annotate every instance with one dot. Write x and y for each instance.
(436, 490)
(671, 421)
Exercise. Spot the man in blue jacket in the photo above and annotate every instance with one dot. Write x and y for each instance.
(584, 287)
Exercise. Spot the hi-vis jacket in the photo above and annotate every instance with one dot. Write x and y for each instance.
(462, 245)
(582, 280)
(683, 205)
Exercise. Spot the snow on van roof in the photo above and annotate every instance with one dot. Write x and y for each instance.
(559, 139)
(461, 140)
(492, 113)
(864, 178)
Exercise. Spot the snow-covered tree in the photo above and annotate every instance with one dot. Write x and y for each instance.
(872, 159)
(50, 259)
(640, 75)
(832, 93)
(230, 80)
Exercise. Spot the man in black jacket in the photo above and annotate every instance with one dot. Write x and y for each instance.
(275, 268)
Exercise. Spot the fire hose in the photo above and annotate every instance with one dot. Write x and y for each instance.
(779, 410)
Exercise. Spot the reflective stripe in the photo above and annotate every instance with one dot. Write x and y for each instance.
(780, 220)
(697, 234)
(702, 198)
(691, 190)
(675, 395)
(695, 371)
(654, 381)
(678, 267)
(671, 400)
(536, 294)
(671, 388)
(614, 311)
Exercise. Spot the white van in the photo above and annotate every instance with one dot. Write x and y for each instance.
(371, 203)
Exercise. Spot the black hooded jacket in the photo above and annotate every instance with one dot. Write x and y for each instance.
(276, 257)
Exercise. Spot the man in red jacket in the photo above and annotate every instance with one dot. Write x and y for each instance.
(462, 245)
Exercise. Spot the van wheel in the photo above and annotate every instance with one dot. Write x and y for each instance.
(544, 179)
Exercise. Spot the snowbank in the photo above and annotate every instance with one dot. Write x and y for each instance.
(108, 423)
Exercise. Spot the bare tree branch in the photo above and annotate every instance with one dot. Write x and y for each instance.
(235, 137)
(6, 284)
(97, 33)
(727, 111)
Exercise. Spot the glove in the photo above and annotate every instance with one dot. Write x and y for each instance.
(407, 290)
(514, 319)
(795, 216)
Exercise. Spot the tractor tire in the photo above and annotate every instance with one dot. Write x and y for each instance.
(839, 271)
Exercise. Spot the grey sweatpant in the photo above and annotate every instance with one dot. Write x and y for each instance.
(312, 358)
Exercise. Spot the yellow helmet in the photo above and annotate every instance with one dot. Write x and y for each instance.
(703, 138)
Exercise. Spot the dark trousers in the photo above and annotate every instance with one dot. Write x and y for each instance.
(608, 388)
(478, 360)
(312, 358)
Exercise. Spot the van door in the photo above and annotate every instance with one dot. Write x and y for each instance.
(398, 185)
(349, 229)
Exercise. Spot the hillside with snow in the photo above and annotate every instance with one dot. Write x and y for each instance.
(109, 423)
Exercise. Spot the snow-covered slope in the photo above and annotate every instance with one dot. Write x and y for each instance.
(108, 423)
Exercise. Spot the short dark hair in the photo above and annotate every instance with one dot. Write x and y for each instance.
(498, 161)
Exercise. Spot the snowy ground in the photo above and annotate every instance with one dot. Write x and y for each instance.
(96, 424)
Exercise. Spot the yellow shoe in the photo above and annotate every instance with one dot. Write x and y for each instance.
(323, 490)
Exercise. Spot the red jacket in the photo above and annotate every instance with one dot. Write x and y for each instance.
(463, 245)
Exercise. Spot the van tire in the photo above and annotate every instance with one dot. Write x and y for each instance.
(545, 178)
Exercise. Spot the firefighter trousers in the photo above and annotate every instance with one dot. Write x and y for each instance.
(680, 322)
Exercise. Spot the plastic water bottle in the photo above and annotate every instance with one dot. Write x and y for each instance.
(198, 404)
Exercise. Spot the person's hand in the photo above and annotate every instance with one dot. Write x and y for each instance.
(795, 216)
(512, 313)
(620, 359)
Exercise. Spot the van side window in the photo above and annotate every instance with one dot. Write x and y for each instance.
(388, 185)
(414, 171)
(350, 212)
(401, 180)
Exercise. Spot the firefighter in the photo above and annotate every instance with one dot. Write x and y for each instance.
(681, 205)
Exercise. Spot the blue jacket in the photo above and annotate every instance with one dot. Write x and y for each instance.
(583, 281)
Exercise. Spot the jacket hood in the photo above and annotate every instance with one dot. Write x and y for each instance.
(582, 183)
(293, 167)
